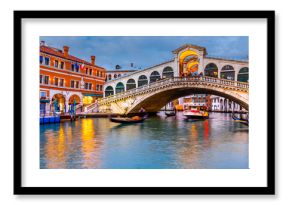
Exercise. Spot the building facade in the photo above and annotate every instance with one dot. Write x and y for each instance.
(65, 80)
(220, 104)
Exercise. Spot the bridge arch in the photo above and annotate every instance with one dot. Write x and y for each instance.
(131, 84)
(154, 76)
(167, 72)
(211, 70)
(109, 91)
(188, 62)
(154, 101)
(227, 72)
(120, 87)
(243, 75)
(142, 80)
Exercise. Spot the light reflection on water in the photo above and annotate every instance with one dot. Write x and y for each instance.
(158, 143)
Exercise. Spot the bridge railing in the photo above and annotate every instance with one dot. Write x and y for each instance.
(164, 81)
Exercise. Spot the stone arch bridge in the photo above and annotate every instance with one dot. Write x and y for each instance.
(156, 95)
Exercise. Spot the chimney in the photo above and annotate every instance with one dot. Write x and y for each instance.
(65, 50)
(93, 58)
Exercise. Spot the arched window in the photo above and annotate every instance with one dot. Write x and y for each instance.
(142, 80)
(211, 70)
(168, 72)
(119, 75)
(243, 75)
(154, 76)
(115, 75)
(228, 72)
(131, 84)
(120, 88)
(109, 91)
(110, 77)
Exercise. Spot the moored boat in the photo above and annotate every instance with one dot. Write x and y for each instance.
(127, 120)
(240, 120)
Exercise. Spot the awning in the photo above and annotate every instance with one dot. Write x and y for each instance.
(92, 94)
(44, 101)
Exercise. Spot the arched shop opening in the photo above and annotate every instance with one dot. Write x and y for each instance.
(142, 80)
(58, 103)
(154, 76)
(131, 84)
(228, 72)
(109, 91)
(211, 70)
(120, 88)
(243, 75)
(74, 99)
(167, 73)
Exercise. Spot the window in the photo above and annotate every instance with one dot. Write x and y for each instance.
(101, 74)
(56, 63)
(40, 79)
(91, 71)
(86, 86)
(77, 69)
(98, 73)
(101, 87)
(90, 86)
(61, 82)
(98, 87)
(61, 65)
(42, 94)
(46, 61)
(46, 80)
(72, 83)
(56, 81)
(72, 67)
(40, 59)
(77, 84)
(110, 77)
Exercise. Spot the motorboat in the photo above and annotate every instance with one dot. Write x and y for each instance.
(194, 111)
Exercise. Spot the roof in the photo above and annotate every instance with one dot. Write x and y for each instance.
(225, 59)
(189, 46)
(138, 71)
(59, 53)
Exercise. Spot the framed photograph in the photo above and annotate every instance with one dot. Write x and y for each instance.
(144, 102)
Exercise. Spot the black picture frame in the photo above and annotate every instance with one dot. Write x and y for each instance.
(268, 190)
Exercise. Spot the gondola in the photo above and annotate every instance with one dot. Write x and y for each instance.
(169, 114)
(240, 120)
(126, 120)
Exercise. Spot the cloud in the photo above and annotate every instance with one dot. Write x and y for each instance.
(145, 51)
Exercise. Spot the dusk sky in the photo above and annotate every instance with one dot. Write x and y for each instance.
(145, 51)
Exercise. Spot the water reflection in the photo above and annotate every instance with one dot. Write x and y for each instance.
(158, 143)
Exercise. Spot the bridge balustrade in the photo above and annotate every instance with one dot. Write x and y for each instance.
(166, 81)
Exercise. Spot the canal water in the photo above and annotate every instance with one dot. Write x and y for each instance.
(158, 143)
